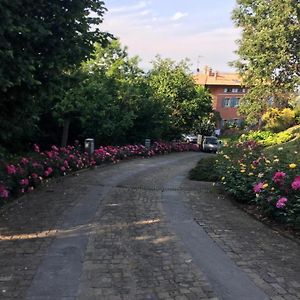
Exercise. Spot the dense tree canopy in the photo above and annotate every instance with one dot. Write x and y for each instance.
(39, 42)
(184, 102)
(58, 70)
(102, 101)
(268, 52)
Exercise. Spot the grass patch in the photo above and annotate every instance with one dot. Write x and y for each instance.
(205, 170)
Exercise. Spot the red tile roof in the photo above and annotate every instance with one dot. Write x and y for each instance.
(217, 78)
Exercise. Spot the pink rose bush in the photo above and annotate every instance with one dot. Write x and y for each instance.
(271, 182)
(25, 175)
(258, 187)
(281, 203)
(296, 183)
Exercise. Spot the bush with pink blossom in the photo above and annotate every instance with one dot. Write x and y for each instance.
(271, 181)
(30, 172)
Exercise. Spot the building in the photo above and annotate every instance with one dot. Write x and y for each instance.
(226, 90)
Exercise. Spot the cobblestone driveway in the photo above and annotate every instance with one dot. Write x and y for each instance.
(104, 235)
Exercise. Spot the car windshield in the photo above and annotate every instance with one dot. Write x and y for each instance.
(211, 141)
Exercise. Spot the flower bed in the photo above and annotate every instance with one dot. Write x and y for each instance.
(28, 173)
(271, 181)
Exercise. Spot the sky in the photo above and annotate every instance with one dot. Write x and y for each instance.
(200, 30)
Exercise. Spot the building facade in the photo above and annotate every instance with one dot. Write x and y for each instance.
(227, 91)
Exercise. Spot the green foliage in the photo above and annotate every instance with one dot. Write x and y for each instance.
(40, 42)
(267, 138)
(268, 53)
(184, 103)
(253, 175)
(205, 170)
(206, 125)
(257, 136)
(112, 100)
(277, 120)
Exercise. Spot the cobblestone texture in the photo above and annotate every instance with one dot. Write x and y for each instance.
(119, 262)
(132, 253)
(27, 228)
(271, 260)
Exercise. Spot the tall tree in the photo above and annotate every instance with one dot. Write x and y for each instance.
(268, 52)
(39, 42)
(183, 101)
(107, 100)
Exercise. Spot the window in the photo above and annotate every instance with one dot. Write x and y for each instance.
(226, 102)
(234, 90)
(235, 102)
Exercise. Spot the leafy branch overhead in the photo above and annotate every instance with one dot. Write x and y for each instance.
(40, 42)
(268, 52)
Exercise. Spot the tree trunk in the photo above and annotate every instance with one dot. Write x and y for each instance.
(65, 135)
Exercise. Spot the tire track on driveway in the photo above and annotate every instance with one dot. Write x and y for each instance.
(227, 279)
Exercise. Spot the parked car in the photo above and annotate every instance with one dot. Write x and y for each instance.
(189, 138)
(209, 143)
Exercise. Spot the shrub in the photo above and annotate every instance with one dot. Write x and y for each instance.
(271, 182)
(24, 175)
(267, 138)
(257, 136)
(279, 138)
(277, 120)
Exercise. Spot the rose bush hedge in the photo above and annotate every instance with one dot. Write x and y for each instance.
(29, 172)
(272, 182)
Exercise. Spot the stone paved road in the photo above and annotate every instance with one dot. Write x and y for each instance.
(108, 234)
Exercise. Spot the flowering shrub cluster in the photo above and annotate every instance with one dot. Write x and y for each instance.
(28, 173)
(267, 138)
(272, 181)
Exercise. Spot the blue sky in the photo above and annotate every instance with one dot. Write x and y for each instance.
(200, 30)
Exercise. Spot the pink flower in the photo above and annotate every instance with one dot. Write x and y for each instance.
(50, 154)
(24, 181)
(48, 171)
(11, 169)
(3, 192)
(34, 175)
(36, 148)
(279, 177)
(296, 183)
(36, 165)
(281, 203)
(54, 148)
(25, 161)
(62, 168)
(258, 187)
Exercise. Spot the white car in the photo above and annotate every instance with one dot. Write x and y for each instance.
(190, 138)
